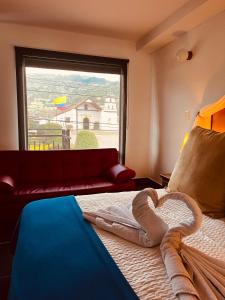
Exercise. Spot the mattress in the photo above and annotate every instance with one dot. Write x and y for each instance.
(143, 267)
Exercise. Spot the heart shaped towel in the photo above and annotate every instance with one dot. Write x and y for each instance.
(136, 222)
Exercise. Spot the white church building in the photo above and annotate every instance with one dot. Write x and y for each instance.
(87, 114)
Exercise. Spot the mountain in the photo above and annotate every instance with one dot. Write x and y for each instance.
(42, 89)
(88, 80)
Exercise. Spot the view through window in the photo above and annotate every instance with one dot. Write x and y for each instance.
(72, 109)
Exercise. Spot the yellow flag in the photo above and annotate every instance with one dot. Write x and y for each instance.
(59, 100)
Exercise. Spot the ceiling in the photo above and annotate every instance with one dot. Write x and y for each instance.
(142, 21)
(128, 19)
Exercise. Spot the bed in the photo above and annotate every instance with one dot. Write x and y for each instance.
(143, 267)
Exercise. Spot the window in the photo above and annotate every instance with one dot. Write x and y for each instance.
(62, 94)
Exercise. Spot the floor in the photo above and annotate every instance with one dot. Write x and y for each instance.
(142, 183)
(6, 257)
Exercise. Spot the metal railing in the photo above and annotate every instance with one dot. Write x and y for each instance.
(48, 140)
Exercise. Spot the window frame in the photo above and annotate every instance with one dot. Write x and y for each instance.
(68, 61)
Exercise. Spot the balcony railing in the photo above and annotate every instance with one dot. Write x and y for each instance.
(48, 139)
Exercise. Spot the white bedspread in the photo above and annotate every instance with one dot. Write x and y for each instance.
(143, 267)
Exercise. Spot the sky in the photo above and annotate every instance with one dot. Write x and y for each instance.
(110, 77)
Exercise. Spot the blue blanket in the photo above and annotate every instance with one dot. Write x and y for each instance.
(60, 257)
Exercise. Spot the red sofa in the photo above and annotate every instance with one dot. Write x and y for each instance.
(32, 175)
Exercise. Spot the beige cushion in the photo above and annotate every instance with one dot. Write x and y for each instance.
(200, 171)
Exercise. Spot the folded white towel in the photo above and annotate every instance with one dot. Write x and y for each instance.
(193, 274)
(136, 222)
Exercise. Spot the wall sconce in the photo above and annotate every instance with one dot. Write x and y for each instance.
(183, 54)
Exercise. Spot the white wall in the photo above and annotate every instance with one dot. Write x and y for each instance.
(138, 75)
(188, 86)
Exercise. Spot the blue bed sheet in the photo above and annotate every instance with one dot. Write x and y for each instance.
(60, 257)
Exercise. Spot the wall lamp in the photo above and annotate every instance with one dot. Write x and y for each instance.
(183, 54)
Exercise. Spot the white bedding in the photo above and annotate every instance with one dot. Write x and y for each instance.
(143, 267)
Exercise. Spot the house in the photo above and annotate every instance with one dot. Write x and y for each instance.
(87, 114)
(82, 115)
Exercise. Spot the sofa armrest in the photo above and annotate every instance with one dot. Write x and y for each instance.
(119, 173)
(7, 184)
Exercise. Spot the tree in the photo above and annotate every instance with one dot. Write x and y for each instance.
(86, 140)
(32, 124)
(50, 128)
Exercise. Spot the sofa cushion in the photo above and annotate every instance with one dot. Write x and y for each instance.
(200, 171)
(101, 185)
(56, 166)
(29, 192)
(39, 166)
(119, 173)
